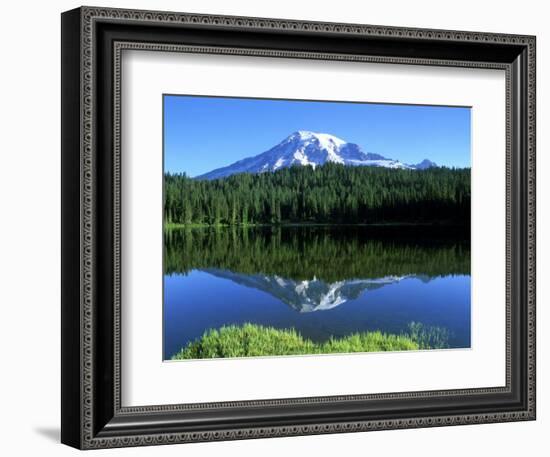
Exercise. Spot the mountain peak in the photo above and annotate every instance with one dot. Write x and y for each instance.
(325, 139)
(305, 147)
(425, 164)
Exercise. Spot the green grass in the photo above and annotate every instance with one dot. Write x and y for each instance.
(429, 337)
(251, 340)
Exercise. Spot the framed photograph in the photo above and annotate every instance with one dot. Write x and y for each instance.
(274, 227)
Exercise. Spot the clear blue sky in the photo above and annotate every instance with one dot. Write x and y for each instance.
(204, 133)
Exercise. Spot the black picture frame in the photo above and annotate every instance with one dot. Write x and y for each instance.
(92, 415)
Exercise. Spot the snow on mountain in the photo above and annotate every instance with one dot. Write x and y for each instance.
(313, 149)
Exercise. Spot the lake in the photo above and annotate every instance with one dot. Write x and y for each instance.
(322, 281)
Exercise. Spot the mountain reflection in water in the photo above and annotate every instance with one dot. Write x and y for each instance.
(322, 281)
(308, 295)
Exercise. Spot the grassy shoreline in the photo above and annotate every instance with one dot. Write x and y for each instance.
(178, 226)
(250, 340)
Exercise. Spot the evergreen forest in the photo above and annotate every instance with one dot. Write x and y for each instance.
(328, 194)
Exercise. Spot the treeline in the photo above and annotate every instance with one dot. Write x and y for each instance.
(329, 194)
(306, 253)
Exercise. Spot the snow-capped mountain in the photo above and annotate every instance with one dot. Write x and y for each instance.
(309, 148)
(307, 296)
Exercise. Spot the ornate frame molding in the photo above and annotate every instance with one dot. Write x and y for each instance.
(90, 435)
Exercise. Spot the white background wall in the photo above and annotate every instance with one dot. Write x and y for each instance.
(30, 229)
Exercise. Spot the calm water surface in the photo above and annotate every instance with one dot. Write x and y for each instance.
(324, 282)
